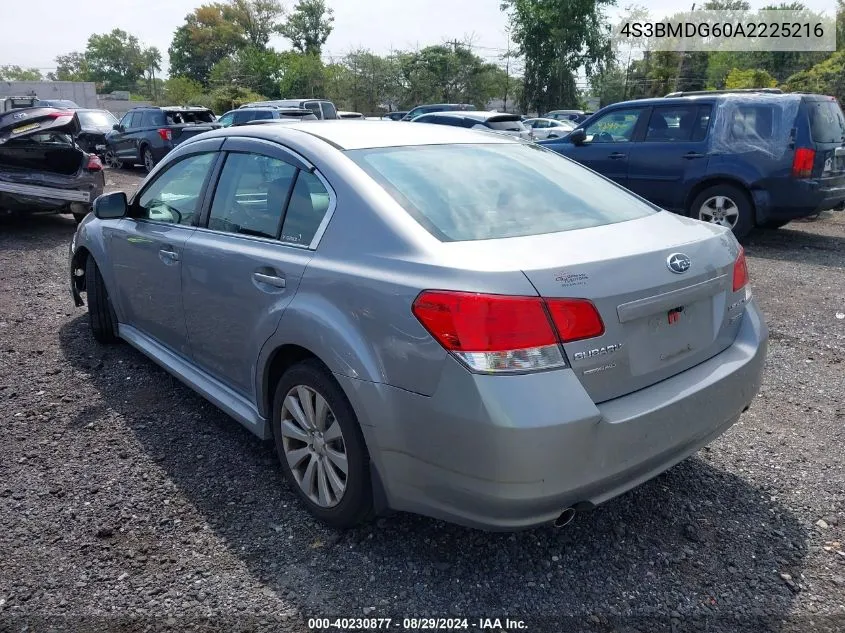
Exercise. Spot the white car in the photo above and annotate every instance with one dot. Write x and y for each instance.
(497, 122)
(549, 128)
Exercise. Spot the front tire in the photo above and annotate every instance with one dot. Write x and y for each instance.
(321, 447)
(101, 315)
(726, 205)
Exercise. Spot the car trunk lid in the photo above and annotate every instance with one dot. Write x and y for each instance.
(26, 122)
(657, 321)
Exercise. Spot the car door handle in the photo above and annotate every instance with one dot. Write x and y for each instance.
(691, 155)
(168, 256)
(270, 280)
(617, 155)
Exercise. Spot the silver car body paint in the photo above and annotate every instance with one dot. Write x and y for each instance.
(490, 451)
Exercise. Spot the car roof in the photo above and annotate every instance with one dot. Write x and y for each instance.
(715, 96)
(347, 134)
(476, 115)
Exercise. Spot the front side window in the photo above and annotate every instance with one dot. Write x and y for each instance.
(308, 205)
(126, 121)
(314, 107)
(227, 119)
(498, 190)
(175, 196)
(251, 195)
(97, 118)
(614, 127)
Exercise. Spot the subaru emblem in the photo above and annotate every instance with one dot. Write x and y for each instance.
(678, 263)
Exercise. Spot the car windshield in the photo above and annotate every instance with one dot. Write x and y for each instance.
(826, 121)
(96, 119)
(489, 191)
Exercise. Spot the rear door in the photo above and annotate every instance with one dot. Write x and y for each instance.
(609, 141)
(243, 267)
(148, 248)
(827, 132)
(672, 155)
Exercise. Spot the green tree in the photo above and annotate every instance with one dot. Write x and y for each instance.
(558, 38)
(302, 75)
(826, 77)
(309, 26)
(70, 67)
(752, 78)
(115, 60)
(210, 33)
(182, 90)
(258, 70)
(259, 20)
(230, 97)
(16, 73)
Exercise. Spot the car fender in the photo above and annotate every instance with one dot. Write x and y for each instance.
(92, 235)
(320, 327)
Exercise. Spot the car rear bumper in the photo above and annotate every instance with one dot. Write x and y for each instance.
(798, 200)
(511, 452)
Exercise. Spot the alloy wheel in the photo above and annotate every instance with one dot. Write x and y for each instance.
(314, 446)
(111, 160)
(719, 210)
(149, 161)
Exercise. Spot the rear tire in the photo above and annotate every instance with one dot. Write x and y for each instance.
(147, 159)
(726, 205)
(339, 434)
(101, 315)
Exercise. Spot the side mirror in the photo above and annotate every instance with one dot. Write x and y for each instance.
(577, 137)
(111, 206)
(116, 127)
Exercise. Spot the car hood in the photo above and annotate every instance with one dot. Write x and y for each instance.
(28, 121)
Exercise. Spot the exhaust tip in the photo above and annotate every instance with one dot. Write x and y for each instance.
(565, 518)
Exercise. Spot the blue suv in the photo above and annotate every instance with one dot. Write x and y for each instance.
(739, 159)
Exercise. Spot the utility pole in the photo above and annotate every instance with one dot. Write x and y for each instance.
(682, 58)
(507, 68)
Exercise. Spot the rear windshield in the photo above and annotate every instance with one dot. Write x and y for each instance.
(506, 125)
(827, 124)
(96, 119)
(190, 117)
(489, 191)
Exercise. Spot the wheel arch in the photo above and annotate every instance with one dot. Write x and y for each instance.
(713, 181)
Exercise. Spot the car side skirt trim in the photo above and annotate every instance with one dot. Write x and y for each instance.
(207, 386)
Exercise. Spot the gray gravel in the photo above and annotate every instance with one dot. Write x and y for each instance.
(127, 503)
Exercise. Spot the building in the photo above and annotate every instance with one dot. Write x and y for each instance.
(83, 93)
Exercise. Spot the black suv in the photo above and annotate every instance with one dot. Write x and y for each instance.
(146, 135)
(322, 108)
(242, 116)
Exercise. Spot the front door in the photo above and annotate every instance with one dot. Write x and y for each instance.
(148, 249)
(672, 155)
(243, 268)
(608, 144)
(122, 139)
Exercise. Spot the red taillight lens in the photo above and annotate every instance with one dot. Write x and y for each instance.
(165, 134)
(496, 333)
(94, 163)
(740, 271)
(59, 115)
(802, 162)
(575, 319)
(491, 333)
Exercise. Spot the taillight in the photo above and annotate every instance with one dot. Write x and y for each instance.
(491, 333)
(575, 319)
(165, 134)
(740, 271)
(94, 163)
(59, 115)
(802, 162)
(500, 333)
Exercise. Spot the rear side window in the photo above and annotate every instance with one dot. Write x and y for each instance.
(514, 125)
(678, 123)
(827, 125)
(152, 118)
(251, 195)
(490, 191)
(329, 111)
(308, 205)
(314, 107)
(753, 122)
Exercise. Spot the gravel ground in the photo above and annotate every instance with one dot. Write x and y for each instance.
(129, 503)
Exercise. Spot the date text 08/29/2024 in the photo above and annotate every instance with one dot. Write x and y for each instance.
(415, 624)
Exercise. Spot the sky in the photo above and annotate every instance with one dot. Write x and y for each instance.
(379, 25)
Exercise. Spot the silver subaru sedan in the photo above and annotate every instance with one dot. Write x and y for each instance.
(426, 318)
